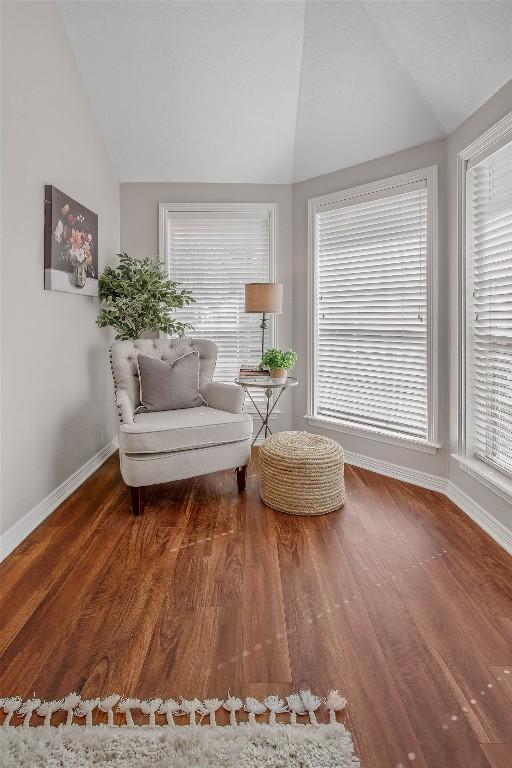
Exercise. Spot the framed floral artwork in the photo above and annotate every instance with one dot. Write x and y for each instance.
(70, 245)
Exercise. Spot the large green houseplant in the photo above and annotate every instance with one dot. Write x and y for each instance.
(137, 296)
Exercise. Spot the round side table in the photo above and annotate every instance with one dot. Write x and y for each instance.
(269, 387)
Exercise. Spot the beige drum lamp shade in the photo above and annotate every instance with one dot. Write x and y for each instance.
(264, 297)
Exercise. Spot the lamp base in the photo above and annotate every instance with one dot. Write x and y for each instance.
(263, 326)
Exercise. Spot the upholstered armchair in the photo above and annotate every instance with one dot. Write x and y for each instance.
(158, 447)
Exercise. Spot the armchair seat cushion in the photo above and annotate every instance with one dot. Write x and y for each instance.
(185, 429)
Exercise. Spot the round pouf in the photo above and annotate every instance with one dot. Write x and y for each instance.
(301, 473)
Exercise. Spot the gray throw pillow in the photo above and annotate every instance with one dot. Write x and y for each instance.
(169, 386)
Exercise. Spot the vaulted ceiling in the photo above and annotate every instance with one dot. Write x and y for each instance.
(271, 91)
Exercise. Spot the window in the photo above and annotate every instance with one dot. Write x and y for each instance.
(372, 330)
(214, 250)
(488, 326)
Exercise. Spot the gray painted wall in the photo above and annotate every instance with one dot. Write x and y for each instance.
(139, 237)
(57, 408)
(442, 153)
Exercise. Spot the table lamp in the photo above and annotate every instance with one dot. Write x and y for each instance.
(266, 298)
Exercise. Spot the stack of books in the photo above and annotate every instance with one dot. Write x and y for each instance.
(251, 372)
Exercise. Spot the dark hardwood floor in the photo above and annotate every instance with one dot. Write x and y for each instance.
(398, 600)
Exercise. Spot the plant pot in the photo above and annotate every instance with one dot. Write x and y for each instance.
(279, 375)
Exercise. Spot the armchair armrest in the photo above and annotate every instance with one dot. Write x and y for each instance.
(225, 397)
(124, 406)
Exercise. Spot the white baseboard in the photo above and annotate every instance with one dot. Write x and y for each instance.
(20, 530)
(408, 475)
(495, 529)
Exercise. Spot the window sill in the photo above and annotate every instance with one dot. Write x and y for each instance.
(373, 434)
(491, 478)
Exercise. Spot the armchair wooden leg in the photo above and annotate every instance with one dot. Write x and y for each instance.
(138, 499)
(241, 478)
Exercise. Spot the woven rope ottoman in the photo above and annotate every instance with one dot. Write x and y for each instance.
(301, 473)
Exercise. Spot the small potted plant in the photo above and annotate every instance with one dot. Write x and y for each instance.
(279, 363)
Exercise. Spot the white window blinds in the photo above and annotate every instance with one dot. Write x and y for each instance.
(214, 253)
(371, 324)
(489, 307)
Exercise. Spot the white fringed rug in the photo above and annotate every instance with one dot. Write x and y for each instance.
(240, 746)
(161, 742)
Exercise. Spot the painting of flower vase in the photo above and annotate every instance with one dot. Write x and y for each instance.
(70, 245)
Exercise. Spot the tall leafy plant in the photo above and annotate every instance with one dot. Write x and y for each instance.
(137, 296)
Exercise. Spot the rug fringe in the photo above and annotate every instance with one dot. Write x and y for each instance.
(169, 708)
(106, 705)
(303, 703)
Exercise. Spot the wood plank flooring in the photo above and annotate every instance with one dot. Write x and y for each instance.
(398, 600)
